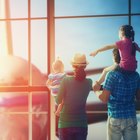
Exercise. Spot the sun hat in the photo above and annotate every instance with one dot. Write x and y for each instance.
(79, 60)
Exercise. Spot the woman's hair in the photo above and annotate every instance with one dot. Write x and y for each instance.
(128, 32)
(79, 73)
(116, 55)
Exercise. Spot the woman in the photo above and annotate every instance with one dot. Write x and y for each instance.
(74, 90)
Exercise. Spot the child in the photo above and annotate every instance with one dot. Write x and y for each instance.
(54, 80)
(126, 46)
(127, 49)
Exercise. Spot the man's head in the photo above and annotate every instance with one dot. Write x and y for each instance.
(116, 56)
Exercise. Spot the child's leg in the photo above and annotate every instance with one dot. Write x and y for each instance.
(101, 79)
(59, 108)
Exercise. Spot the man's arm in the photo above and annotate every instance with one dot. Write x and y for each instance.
(103, 95)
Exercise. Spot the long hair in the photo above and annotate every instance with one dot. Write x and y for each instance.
(129, 33)
(79, 73)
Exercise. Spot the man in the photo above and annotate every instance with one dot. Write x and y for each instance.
(120, 91)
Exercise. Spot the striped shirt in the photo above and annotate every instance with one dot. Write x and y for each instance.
(123, 88)
(56, 79)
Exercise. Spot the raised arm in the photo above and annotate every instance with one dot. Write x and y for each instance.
(108, 47)
(103, 95)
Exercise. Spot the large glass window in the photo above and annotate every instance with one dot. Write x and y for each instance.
(38, 8)
(23, 70)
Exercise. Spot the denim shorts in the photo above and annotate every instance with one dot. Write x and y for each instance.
(73, 133)
(122, 128)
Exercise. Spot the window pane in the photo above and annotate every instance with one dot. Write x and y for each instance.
(40, 102)
(40, 127)
(18, 8)
(135, 6)
(14, 71)
(20, 38)
(86, 35)
(2, 9)
(12, 102)
(38, 8)
(3, 38)
(39, 44)
(40, 115)
(135, 24)
(90, 7)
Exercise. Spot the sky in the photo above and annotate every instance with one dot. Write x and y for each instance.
(87, 34)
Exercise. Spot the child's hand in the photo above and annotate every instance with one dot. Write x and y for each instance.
(94, 53)
(96, 86)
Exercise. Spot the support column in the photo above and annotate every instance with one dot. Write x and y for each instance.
(51, 57)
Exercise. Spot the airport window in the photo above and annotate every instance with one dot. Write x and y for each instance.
(24, 97)
(35, 32)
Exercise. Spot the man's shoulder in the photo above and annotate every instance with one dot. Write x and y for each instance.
(115, 73)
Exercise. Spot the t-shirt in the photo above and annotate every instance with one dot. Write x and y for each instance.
(56, 79)
(74, 94)
(123, 89)
(128, 61)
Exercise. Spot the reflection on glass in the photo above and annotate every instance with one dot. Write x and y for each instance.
(39, 115)
(13, 102)
(86, 35)
(90, 7)
(40, 127)
(39, 102)
(135, 6)
(38, 8)
(18, 8)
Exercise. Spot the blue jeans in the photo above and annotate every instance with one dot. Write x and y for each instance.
(73, 133)
(118, 128)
